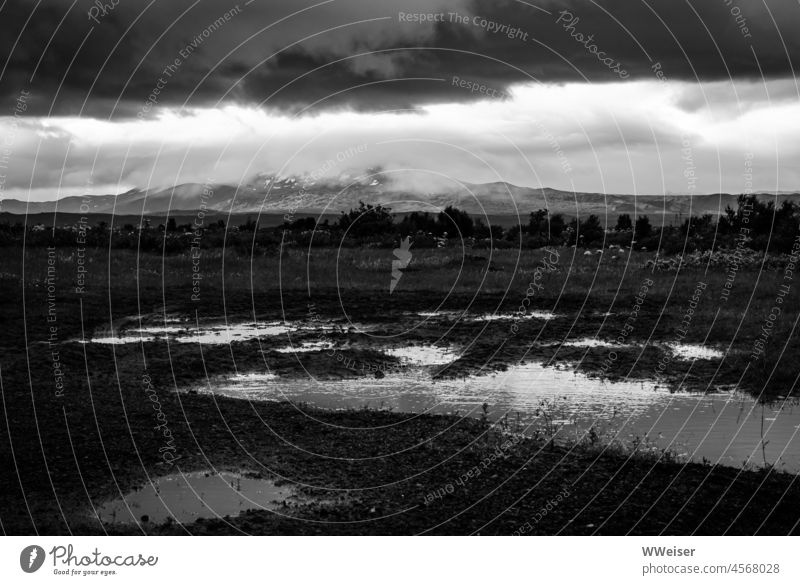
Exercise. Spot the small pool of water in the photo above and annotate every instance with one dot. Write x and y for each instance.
(412, 355)
(460, 315)
(186, 497)
(590, 342)
(120, 339)
(214, 334)
(729, 428)
(422, 355)
(306, 347)
(689, 351)
(226, 334)
(683, 351)
(541, 315)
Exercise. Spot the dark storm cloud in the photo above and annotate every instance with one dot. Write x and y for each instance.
(73, 65)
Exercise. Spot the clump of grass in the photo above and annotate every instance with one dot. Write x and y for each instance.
(484, 415)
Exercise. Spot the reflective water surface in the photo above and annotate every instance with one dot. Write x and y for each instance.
(215, 333)
(186, 497)
(724, 427)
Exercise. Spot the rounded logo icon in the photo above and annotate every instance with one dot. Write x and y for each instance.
(31, 558)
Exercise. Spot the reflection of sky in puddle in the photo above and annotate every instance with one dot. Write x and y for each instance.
(212, 334)
(251, 385)
(541, 315)
(252, 378)
(589, 342)
(189, 496)
(690, 352)
(684, 351)
(121, 340)
(158, 330)
(412, 355)
(722, 427)
(240, 332)
(451, 315)
(307, 347)
(422, 355)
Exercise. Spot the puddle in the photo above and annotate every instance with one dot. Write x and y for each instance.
(423, 355)
(120, 340)
(541, 315)
(724, 427)
(590, 342)
(240, 385)
(412, 355)
(683, 351)
(162, 330)
(696, 352)
(253, 377)
(231, 333)
(452, 315)
(189, 496)
(215, 334)
(307, 347)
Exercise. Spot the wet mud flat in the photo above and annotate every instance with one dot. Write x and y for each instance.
(349, 469)
(316, 340)
(373, 472)
(358, 471)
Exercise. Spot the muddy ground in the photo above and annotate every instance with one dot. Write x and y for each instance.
(72, 442)
(374, 472)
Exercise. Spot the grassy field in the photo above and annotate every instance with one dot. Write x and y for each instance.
(607, 281)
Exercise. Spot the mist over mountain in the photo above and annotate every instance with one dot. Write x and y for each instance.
(402, 191)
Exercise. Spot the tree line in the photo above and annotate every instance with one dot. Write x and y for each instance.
(753, 223)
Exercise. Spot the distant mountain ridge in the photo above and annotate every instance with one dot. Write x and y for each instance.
(301, 195)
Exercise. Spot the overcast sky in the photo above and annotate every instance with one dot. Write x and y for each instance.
(621, 96)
